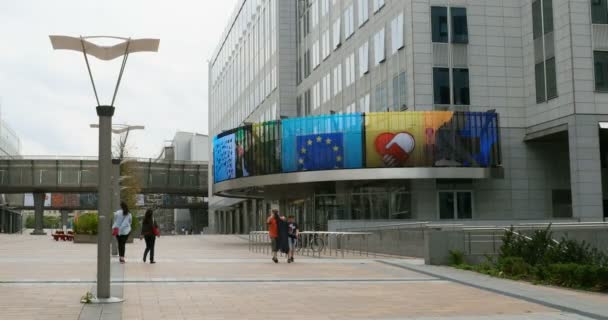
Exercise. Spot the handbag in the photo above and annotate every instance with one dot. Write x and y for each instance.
(155, 230)
(115, 232)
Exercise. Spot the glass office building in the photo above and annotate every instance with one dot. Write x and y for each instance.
(352, 112)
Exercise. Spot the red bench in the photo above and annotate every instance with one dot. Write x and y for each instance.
(59, 234)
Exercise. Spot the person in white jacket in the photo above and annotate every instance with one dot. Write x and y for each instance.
(122, 228)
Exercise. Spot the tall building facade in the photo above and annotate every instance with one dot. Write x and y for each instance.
(10, 144)
(540, 65)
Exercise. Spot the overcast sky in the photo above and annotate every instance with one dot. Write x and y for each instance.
(46, 95)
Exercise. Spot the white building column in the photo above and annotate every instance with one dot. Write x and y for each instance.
(585, 168)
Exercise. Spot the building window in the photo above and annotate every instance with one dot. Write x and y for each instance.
(307, 64)
(378, 4)
(399, 92)
(349, 64)
(461, 86)
(545, 72)
(307, 102)
(351, 108)
(299, 71)
(314, 9)
(364, 103)
(380, 99)
(316, 96)
(363, 59)
(600, 62)
(336, 40)
(460, 33)
(348, 22)
(439, 24)
(551, 78)
(299, 107)
(315, 55)
(599, 12)
(397, 34)
(363, 12)
(324, 7)
(441, 85)
(326, 88)
(326, 47)
(455, 205)
(379, 47)
(338, 79)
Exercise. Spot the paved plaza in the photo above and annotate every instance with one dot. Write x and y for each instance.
(216, 277)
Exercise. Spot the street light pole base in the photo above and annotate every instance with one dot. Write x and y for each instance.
(106, 300)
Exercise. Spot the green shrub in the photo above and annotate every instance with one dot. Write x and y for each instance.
(575, 275)
(48, 222)
(515, 267)
(456, 258)
(86, 224)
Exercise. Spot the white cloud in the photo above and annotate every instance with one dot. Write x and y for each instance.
(47, 97)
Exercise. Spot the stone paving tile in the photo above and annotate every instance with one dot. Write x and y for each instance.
(581, 301)
(221, 279)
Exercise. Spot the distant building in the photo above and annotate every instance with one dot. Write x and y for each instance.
(10, 146)
(187, 146)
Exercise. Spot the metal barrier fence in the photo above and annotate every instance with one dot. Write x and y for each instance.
(318, 243)
(484, 240)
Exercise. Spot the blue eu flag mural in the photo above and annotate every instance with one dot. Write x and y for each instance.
(322, 142)
(320, 151)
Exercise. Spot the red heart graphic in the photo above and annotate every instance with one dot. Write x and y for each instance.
(394, 155)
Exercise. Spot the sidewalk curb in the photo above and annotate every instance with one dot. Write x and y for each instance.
(508, 293)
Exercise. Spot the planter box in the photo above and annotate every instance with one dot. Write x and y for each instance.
(88, 238)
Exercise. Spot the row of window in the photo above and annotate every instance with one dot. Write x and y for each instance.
(309, 14)
(321, 51)
(245, 64)
(321, 93)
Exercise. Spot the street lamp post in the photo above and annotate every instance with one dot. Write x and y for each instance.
(117, 129)
(105, 113)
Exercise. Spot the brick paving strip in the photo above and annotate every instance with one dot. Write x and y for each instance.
(594, 306)
(216, 277)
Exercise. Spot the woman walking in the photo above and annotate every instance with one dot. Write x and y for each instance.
(149, 231)
(122, 228)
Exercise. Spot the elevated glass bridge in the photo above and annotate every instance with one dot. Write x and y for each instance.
(80, 175)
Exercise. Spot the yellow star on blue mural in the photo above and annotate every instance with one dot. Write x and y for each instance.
(303, 150)
(319, 139)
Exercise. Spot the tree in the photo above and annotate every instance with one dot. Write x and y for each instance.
(130, 185)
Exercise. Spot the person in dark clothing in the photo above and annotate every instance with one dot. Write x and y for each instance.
(149, 231)
(293, 233)
(283, 236)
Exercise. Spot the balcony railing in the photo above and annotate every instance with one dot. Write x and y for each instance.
(356, 140)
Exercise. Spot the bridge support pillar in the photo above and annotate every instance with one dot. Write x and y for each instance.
(2, 220)
(39, 213)
(238, 216)
(246, 217)
(64, 218)
(229, 220)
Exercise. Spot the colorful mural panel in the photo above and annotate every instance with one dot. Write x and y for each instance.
(431, 139)
(322, 142)
(224, 157)
(350, 141)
